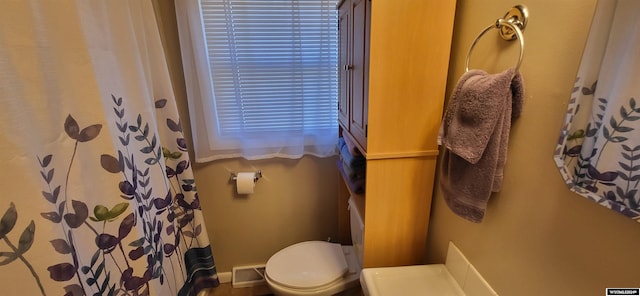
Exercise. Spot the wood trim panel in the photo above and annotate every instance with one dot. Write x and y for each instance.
(404, 154)
(398, 204)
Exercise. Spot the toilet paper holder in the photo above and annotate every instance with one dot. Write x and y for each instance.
(257, 175)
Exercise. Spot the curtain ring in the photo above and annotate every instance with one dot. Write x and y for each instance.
(500, 24)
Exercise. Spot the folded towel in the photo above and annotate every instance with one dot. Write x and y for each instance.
(475, 133)
(354, 161)
(356, 186)
(353, 148)
(354, 173)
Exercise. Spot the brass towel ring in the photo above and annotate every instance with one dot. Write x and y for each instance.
(510, 27)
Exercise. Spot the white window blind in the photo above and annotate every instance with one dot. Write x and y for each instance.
(271, 77)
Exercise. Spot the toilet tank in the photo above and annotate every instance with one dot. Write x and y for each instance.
(356, 214)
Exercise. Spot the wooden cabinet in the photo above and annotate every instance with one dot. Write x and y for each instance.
(393, 111)
(353, 27)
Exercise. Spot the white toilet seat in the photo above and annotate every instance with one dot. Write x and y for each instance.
(313, 268)
(307, 265)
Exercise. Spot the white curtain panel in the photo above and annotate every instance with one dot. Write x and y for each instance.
(598, 153)
(98, 194)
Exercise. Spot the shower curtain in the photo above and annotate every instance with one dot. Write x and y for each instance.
(98, 196)
(599, 148)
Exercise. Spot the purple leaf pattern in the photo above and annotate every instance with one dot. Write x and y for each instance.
(71, 127)
(62, 272)
(580, 154)
(25, 241)
(151, 235)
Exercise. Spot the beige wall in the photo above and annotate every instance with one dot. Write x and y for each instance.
(296, 200)
(537, 238)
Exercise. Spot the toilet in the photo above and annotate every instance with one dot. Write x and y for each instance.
(317, 267)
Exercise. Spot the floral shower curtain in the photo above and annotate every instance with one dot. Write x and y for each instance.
(98, 195)
(599, 149)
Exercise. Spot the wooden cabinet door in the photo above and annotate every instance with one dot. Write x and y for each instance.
(344, 55)
(359, 71)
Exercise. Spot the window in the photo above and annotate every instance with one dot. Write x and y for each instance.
(261, 77)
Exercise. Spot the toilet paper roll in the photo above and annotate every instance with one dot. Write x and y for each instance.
(245, 182)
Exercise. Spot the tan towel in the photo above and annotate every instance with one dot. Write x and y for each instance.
(475, 133)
